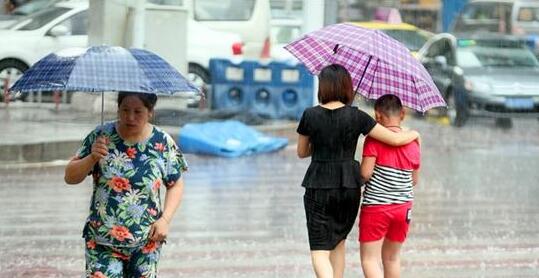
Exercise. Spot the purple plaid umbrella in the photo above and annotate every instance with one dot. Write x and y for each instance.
(378, 64)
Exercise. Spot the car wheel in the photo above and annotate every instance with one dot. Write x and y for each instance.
(505, 123)
(11, 70)
(200, 77)
(456, 113)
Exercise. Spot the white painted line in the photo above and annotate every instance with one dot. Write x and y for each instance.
(23, 165)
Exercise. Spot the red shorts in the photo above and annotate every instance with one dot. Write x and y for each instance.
(389, 221)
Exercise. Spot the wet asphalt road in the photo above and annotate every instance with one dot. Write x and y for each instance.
(476, 213)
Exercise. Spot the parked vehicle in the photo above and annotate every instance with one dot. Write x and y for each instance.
(249, 19)
(204, 43)
(411, 36)
(487, 75)
(65, 25)
(284, 31)
(31, 38)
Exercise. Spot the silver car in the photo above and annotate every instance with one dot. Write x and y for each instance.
(488, 75)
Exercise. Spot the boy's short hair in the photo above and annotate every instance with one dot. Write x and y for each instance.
(389, 105)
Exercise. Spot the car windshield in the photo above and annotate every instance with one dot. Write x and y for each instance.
(223, 10)
(528, 15)
(32, 7)
(410, 38)
(481, 56)
(483, 17)
(39, 19)
(284, 34)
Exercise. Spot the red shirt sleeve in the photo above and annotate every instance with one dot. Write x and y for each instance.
(369, 147)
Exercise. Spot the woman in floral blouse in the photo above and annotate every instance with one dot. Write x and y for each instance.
(130, 160)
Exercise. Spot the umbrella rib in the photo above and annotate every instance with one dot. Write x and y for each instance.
(363, 74)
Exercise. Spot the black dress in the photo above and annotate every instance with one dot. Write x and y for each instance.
(332, 181)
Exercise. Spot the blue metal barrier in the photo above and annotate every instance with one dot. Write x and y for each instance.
(295, 87)
(228, 85)
(274, 90)
(263, 97)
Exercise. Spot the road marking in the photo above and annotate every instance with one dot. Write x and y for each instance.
(441, 120)
(23, 165)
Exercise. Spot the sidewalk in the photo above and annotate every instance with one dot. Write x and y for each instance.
(37, 132)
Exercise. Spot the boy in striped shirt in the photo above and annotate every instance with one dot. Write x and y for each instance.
(390, 174)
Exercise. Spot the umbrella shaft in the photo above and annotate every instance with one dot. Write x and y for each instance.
(363, 74)
(102, 107)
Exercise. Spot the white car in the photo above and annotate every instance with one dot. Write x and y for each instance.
(66, 25)
(284, 31)
(32, 38)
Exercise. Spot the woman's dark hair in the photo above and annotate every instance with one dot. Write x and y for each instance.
(389, 105)
(335, 84)
(149, 100)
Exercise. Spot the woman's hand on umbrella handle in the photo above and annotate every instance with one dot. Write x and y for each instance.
(99, 148)
(159, 230)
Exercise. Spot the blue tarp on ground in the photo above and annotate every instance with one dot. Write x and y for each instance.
(226, 138)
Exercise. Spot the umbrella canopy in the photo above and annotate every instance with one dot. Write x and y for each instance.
(378, 64)
(102, 69)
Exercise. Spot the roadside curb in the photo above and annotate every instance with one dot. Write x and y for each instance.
(53, 153)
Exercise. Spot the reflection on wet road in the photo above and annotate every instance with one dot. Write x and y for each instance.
(475, 213)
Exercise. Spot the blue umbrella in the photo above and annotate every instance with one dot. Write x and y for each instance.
(103, 69)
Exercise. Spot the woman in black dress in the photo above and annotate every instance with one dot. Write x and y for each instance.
(329, 133)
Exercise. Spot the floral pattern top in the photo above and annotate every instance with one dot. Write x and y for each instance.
(127, 182)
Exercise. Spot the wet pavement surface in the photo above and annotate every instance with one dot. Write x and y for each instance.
(475, 214)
